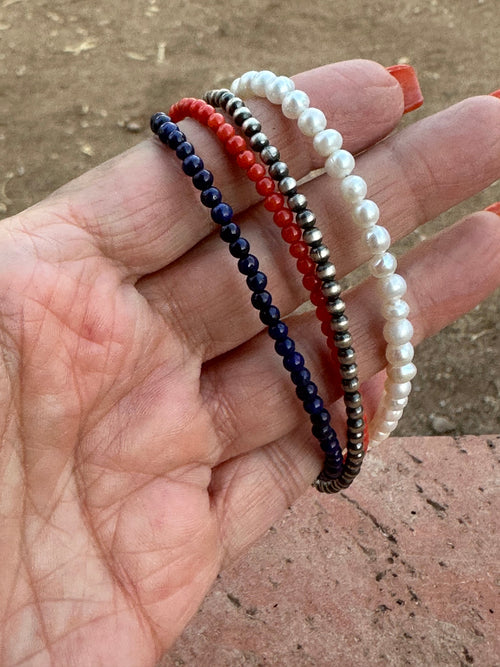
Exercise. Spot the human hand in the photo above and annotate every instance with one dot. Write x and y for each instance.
(149, 431)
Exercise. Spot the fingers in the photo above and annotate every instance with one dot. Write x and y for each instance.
(413, 176)
(252, 490)
(143, 212)
(251, 397)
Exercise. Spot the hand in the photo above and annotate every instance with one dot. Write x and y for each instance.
(149, 431)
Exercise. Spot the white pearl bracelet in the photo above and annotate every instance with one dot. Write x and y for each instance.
(339, 164)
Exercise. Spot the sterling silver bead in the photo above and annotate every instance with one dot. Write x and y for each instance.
(288, 186)
(331, 289)
(326, 271)
(319, 254)
(312, 237)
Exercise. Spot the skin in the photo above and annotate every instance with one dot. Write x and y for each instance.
(149, 432)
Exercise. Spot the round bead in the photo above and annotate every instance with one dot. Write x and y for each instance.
(211, 197)
(300, 376)
(278, 171)
(327, 142)
(249, 265)
(353, 188)
(311, 121)
(306, 391)
(335, 306)
(270, 317)
(396, 309)
(399, 355)
(393, 415)
(314, 405)
(234, 87)
(366, 213)
(297, 203)
(331, 289)
(320, 254)
(398, 332)
(269, 155)
(233, 104)
(203, 179)
(230, 232)
(339, 323)
(260, 80)
(157, 120)
(306, 219)
(294, 103)
(312, 236)
(184, 149)
(392, 287)
(245, 84)
(258, 141)
(192, 165)
(284, 347)
(251, 126)
(222, 213)
(288, 186)
(278, 88)
(398, 389)
(384, 265)
(339, 164)
(239, 248)
(377, 239)
(394, 403)
(279, 331)
(402, 373)
(326, 271)
(241, 115)
(293, 361)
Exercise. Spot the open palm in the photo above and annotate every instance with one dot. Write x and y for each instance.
(149, 432)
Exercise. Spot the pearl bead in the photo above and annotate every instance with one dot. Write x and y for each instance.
(387, 426)
(398, 332)
(393, 415)
(245, 85)
(399, 355)
(234, 87)
(382, 266)
(353, 189)
(395, 310)
(339, 164)
(366, 214)
(377, 239)
(261, 80)
(393, 403)
(392, 287)
(402, 373)
(294, 103)
(311, 121)
(277, 89)
(327, 142)
(379, 436)
(398, 389)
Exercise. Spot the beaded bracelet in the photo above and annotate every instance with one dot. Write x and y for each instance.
(325, 292)
(221, 213)
(339, 164)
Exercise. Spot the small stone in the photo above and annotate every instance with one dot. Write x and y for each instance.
(132, 126)
(441, 424)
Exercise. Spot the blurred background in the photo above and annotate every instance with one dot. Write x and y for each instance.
(79, 80)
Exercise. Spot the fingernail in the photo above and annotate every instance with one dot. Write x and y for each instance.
(407, 79)
(494, 208)
(496, 93)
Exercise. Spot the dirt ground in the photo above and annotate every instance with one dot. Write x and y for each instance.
(80, 79)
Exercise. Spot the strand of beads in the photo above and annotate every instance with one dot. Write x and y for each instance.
(339, 164)
(221, 213)
(325, 290)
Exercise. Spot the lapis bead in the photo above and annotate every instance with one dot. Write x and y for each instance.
(279, 331)
(331, 447)
(222, 213)
(293, 362)
(176, 138)
(239, 248)
(322, 417)
(270, 316)
(322, 431)
(211, 197)
(301, 376)
(284, 347)
(192, 164)
(184, 149)
(203, 179)
(258, 282)
(261, 300)
(306, 391)
(230, 232)
(157, 120)
(248, 265)
(313, 405)
(165, 130)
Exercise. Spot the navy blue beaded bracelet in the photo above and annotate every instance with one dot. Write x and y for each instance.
(221, 213)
